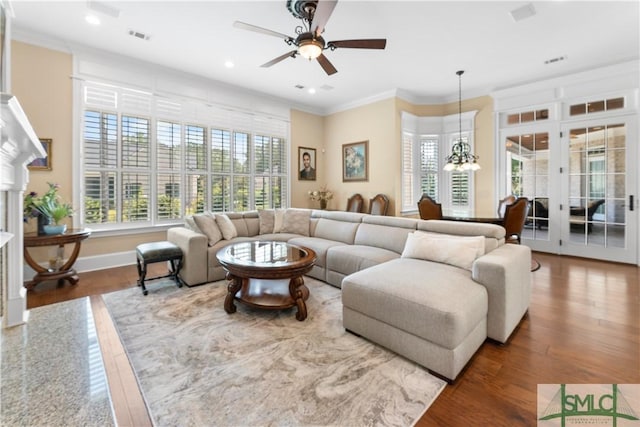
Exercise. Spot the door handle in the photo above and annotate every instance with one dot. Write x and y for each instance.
(631, 202)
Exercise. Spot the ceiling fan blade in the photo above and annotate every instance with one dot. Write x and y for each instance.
(360, 44)
(255, 28)
(280, 58)
(323, 12)
(326, 65)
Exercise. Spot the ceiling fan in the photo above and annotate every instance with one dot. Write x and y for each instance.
(309, 42)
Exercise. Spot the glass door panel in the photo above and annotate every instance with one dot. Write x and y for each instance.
(527, 166)
(596, 220)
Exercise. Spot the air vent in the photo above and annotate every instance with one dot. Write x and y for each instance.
(139, 35)
(299, 87)
(554, 60)
(523, 12)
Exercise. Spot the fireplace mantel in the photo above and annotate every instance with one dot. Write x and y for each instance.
(19, 145)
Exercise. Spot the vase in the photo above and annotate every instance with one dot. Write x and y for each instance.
(52, 229)
(323, 204)
(42, 222)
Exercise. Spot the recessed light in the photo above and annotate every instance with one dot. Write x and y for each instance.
(311, 90)
(229, 64)
(92, 19)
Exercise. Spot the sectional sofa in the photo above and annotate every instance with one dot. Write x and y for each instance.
(432, 291)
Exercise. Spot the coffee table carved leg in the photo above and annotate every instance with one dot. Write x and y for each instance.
(296, 286)
(234, 285)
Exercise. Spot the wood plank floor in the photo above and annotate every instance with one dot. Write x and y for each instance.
(583, 326)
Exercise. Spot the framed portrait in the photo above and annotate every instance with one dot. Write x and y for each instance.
(306, 164)
(355, 161)
(42, 163)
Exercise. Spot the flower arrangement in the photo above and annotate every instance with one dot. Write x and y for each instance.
(48, 205)
(322, 194)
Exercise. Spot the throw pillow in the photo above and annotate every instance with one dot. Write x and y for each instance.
(206, 222)
(190, 224)
(296, 221)
(267, 219)
(278, 220)
(226, 227)
(459, 251)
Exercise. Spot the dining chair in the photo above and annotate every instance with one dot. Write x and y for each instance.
(502, 204)
(379, 205)
(515, 216)
(355, 203)
(428, 208)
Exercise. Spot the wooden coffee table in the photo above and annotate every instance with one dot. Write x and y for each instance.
(267, 275)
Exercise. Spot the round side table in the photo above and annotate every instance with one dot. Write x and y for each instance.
(55, 272)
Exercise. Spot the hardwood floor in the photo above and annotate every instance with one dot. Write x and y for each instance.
(583, 326)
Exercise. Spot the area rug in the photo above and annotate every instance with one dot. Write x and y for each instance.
(199, 366)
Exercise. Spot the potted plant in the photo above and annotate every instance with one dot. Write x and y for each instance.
(49, 209)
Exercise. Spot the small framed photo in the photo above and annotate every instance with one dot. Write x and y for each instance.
(42, 163)
(355, 161)
(306, 164)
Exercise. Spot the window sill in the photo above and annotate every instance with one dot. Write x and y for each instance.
(127, 231)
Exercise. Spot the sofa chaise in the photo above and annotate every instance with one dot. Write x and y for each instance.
(432, 291)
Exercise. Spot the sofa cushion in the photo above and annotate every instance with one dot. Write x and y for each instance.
(410, 295)
(226, 226)
(208, 225)
(267, 220)
(459, 251)
(296, 221)
(278, 220)
(347, 259)
(384, 232)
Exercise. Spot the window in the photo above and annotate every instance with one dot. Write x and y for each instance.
(142, 169)
(425, 143)
(596, 106)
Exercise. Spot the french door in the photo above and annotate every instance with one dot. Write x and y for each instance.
(581, 181)
(599, 210)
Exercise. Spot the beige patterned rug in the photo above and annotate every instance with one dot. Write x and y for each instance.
(199, 366)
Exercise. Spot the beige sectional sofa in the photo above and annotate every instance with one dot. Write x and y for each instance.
(432, 291)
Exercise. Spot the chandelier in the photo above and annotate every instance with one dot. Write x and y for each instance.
(461, 158)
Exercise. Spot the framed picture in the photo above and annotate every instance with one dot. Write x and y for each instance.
(355, 161)
(42, 163)
(306, 164)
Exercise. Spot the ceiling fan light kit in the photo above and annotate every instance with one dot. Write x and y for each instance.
(309, 43)
(461, 158)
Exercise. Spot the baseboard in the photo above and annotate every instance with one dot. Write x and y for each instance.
(96, 262)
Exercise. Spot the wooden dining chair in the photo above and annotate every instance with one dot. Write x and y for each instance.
(502, 204)
(355, 203)
(515, 216)
(379, 205)
(428, 208)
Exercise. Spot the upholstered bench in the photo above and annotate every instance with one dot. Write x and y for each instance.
(405, 306)
(149, 253)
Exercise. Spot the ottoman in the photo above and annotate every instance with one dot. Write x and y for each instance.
(148, 253)
(428, 312)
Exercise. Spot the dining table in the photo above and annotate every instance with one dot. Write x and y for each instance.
(485, 220)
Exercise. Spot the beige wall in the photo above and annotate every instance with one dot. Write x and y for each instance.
(374, 123)
(307, 130)
(41, 80)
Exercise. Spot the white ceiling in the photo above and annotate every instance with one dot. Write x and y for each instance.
(427, 42)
